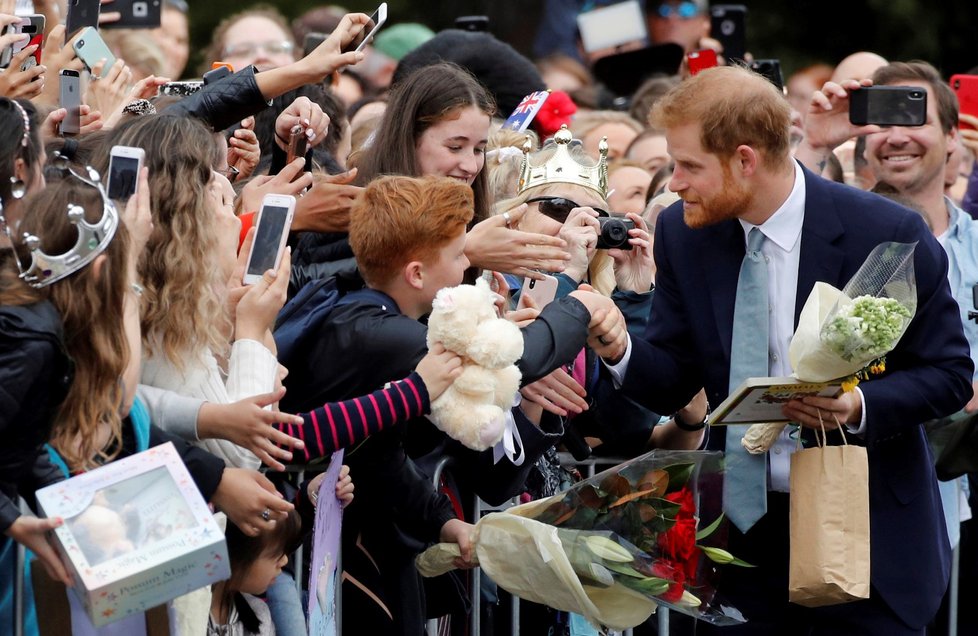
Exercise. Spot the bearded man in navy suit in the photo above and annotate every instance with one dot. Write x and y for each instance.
(727, 130)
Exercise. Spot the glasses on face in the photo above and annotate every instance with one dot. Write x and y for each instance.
(558, 208)
(685, 10)
(250, 49)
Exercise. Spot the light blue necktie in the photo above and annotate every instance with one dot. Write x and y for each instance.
(745, 481)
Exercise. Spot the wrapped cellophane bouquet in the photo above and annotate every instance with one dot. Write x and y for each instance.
(845, 335)
(613, 546)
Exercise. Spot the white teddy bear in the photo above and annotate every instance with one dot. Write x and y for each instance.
(464, 320)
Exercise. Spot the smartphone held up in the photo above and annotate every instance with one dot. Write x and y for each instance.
(369, 30)
(125, 162)
(888, 106)
(271, 236)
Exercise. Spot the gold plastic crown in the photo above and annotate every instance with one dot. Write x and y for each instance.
(562, 167)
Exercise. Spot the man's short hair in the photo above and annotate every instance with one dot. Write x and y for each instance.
(919, 71)
(396, 220)
(734, 106)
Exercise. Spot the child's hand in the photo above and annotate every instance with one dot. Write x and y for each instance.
(460, 532)
(250, 501)
(438, 369)
(249, 425)
(344, 487)
(32, 533)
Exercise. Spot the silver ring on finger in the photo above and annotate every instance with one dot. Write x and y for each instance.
(266, 514)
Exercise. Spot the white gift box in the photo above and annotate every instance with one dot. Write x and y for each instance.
(136, 533)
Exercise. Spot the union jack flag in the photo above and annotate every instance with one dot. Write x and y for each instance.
(527, 109)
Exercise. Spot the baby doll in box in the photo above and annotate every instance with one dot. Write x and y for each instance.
(473, 409)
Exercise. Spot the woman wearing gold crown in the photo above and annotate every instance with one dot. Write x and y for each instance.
(565, 194)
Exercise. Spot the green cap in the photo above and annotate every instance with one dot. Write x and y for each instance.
(401, 39)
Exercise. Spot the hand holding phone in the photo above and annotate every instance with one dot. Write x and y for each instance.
(91, 48)
(31, 26)
(360, 40)
(70, 100)
(125, 162)
(541, 291)
(888, 106)
(271, 235)
(298, 143)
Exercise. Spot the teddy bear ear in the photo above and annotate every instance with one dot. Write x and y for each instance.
(443, 300)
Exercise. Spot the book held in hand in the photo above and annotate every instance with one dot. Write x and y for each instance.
(759, 400)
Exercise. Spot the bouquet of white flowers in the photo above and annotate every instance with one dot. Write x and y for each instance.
(846, 334)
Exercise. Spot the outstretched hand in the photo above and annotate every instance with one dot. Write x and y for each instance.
(249, 424)
(492, 244)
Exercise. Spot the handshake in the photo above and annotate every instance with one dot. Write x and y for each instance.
(607, 332)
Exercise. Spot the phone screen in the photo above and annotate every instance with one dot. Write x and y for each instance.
(123, 173)
(365, 31)
(268, 237)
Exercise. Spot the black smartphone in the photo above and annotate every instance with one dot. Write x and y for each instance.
(81, 14)
(136, 14)
(472, 23)
(770, 69)
(312, 41)
(70, 100)
(888, 106)
(728, 25)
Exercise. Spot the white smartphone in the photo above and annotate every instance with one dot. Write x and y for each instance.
(274, 221)
(377, 19)
(70, 100)
(541, 291)
(125, 162)
(90, 48)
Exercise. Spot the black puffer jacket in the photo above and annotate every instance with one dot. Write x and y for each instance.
(35, 374)
(223, 103)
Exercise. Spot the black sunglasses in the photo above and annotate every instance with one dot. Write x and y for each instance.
(558, 208)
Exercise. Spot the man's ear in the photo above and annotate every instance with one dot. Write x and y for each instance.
(746, 160)
(952, 143)
(413, 274)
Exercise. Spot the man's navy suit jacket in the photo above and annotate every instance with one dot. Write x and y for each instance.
(687, 346)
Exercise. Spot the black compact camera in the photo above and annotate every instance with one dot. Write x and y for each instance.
(614, 233)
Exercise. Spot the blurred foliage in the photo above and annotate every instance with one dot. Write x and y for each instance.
(799, 33)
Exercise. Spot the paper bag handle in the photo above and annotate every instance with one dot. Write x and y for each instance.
(821, 424)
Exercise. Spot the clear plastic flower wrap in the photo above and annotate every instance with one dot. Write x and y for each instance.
(614, 546)
(843, 334)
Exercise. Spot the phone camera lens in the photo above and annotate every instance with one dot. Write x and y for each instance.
(81, 43)
(957, 84)
(533, 283)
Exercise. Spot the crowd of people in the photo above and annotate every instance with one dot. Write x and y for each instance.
(128, 323)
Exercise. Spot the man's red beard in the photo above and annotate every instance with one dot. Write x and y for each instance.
(732, 202)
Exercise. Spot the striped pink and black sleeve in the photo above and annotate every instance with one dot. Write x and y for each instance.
(337, 425)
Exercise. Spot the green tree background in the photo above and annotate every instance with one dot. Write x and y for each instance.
(943, 32)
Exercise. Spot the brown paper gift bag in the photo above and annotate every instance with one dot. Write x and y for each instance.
(829, 521)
